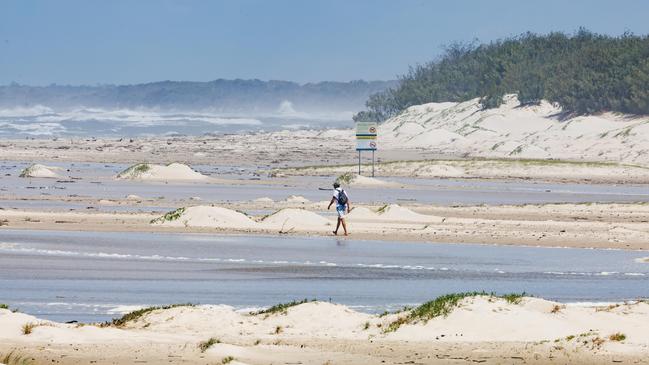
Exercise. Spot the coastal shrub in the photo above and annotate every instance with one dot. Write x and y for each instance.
(14, 358)
(227, 360)
(3, 306)
(281, 308)
(168, 217)
(584, 72)
(135, 315)
(134, 171)
(443, 305)
(203, 346)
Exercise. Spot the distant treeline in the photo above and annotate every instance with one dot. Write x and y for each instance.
(221, 95)
(585, 73)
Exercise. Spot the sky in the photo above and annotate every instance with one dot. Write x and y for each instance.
(89, 42)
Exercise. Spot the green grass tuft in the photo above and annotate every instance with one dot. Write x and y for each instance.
(203, 346)
(135, 315)
(227, 360)
(168, 217)
(134, 171)
(3, 306)
(27, 328)
(617, 337)
(281, 308)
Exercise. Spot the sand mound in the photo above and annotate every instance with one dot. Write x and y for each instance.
(517, 131)
(394, 212)
(362, 213)
(297, 199)
(171, 172)
(642, 260)
(133, 197)
(41, 171)
(205, 216)
(290, 218)
(485, 318)
(264, 200)
(351, 179)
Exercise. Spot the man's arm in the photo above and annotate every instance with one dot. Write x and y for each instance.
(349, 205)
(333, 199)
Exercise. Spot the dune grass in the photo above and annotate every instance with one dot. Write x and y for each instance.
(3, 306)
(227, 360)
(27, 328)
(135, 315)
(203, 346)
(170, 216)
(281, 308)
(442, 306)
(134, 171)
(13, 358)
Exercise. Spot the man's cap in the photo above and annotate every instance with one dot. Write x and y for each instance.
(336, 185)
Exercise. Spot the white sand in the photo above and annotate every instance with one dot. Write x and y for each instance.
(394, 212)
(352, 179)
(41, 171)
(297, 199)
(295, 219)
(476, 322)
(152, 172)
(207, 216)
(514, 131)
(264, 199)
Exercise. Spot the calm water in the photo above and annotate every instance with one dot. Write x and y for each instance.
(89, 276)
(96, 180)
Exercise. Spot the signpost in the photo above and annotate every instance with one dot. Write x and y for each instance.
(366, 140)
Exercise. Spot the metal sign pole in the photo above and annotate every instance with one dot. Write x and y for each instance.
(372, 163)
(359, 162)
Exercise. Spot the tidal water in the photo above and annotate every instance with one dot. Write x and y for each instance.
(93, 276)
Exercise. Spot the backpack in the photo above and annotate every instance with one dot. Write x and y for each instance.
(342, 197)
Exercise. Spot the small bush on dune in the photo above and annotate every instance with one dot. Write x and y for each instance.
(3, 306)
(227, 360)
(135, 170)
(28, 328)
(617, 337)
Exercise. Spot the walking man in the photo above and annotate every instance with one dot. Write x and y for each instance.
(342, 206)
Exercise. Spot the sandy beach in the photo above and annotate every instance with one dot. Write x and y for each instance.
(481, 329)
(277, 184)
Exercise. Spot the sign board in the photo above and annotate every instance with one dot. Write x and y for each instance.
(366, 129)
(366, 145)
(366, 133)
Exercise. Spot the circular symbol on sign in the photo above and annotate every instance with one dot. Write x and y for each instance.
(373, 144)
(372, 129)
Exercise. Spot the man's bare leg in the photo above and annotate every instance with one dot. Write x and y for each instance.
(338, 225)
(344, 226)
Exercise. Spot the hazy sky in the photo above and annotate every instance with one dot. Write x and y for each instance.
(133, 41)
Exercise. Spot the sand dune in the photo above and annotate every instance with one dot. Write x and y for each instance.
(522, 325)
(514, 131)
(205, 216)
(297, 199)
(41, 171)
(152, 172)
(295, 219)
(353, 179)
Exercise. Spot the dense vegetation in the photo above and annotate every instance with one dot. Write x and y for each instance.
(585, 73)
